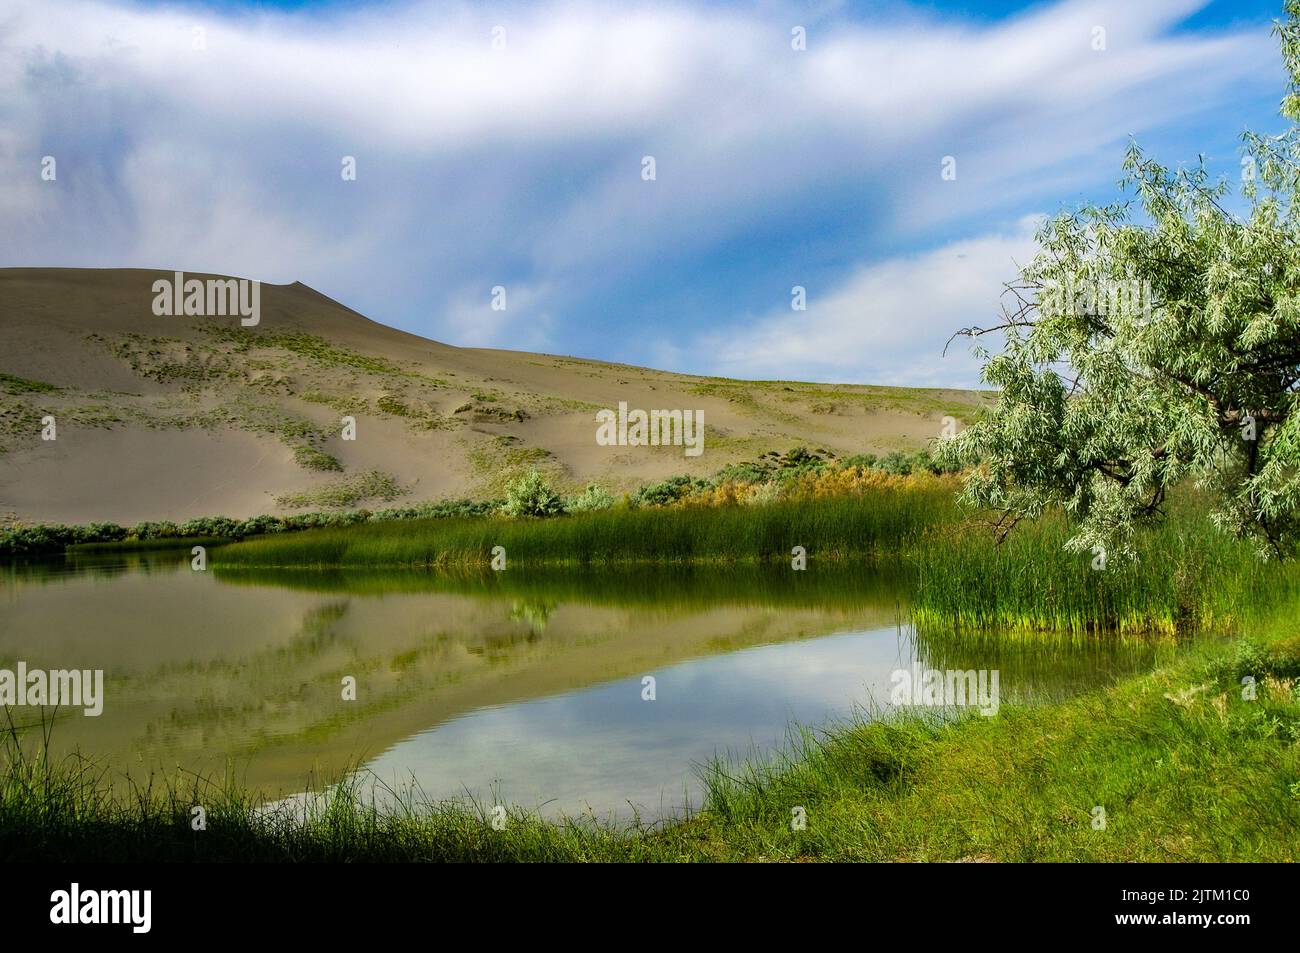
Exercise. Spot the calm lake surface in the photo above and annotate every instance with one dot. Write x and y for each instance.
(522, 687)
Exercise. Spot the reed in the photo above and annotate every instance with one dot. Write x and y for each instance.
(1186, 576)
(877, 521)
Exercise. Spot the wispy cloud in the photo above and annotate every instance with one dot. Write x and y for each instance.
(213, 141)
(886, 323)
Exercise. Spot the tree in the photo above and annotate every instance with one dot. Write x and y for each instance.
(1151, 342)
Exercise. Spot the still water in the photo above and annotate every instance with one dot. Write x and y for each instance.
(523, 687)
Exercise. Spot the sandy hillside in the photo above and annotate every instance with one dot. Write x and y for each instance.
(176, 417)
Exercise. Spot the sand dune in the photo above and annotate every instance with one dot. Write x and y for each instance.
(171, 417)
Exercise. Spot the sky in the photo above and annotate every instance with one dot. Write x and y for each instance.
(504, 144)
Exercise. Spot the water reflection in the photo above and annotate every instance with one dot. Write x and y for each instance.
(527, 680)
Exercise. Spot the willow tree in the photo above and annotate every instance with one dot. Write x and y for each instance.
(1152, 342)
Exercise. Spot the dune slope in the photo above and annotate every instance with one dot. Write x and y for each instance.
(160, 417)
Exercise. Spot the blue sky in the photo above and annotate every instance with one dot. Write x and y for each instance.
(210, 136)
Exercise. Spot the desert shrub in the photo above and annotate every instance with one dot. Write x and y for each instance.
(211, 526)
(531, 495)
(765, 493)
(669, 491)
(442, 509)
(594, 497)
(103, 532)
(154, 529)
(863, 461)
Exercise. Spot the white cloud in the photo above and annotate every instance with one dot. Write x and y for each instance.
(524, 322)
(522, 166)
(888, 323)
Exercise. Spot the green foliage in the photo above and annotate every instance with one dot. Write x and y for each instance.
(667, 491)
(863, 461)
(55, 538)
(11, 384)
(314, 459)
(443, 509)
(882, 520)
(1258, 661)
(594, 497)
(531, 495)
(897, 463)
(1155, 341)
(371, 485)
(773, 466)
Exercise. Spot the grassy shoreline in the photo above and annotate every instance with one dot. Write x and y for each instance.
(829, 529)
(1185, 768)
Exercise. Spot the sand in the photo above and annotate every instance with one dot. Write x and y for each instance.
(162, 417)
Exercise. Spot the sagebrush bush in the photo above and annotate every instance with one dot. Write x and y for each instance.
(531, 495)
(594, 497)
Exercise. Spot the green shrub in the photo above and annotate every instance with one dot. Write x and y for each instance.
(594, 497)
(668, 491)
(443, 509)
(531, 495)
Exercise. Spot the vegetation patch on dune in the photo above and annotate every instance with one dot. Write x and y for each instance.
(12, 384)
(314, 459)
(349, 491)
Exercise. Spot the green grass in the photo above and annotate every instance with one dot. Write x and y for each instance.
(316, 459)
(679, 587)
(829, 529)
(1184, 767)
(1186, 574)
(344, 403)
(346, 492)
(143, 545)
(11, 384)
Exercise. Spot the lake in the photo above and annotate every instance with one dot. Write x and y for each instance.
(524, 687)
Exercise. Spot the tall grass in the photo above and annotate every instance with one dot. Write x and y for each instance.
(844, 585)
(835, 528)
(1187, 575)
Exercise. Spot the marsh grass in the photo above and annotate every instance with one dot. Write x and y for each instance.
(839, 585)
(1187, 576)
(830, 529)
